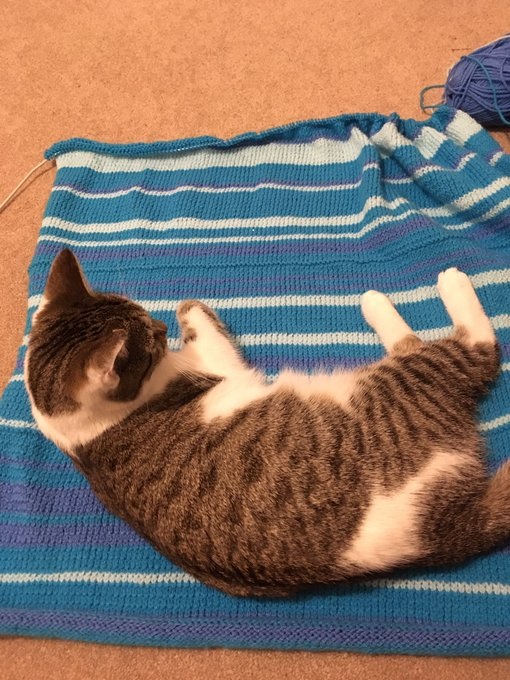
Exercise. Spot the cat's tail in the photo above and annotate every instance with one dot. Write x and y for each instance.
(495, 509)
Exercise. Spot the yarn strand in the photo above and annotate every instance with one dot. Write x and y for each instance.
(20, 184)
(422, 98)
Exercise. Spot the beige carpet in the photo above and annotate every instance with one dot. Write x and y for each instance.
(140, 70)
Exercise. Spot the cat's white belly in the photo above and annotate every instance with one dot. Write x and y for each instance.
(245, 386)
(389, 533)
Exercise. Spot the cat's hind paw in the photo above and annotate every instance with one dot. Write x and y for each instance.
(374, 305)
(452, 280)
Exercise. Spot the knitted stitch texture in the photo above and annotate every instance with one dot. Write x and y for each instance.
(280, 232)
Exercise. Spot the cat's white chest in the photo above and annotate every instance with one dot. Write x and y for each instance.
(244, 387)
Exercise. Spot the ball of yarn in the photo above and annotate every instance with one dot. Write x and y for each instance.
(479, 84)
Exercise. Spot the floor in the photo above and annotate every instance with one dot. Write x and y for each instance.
(126, 70)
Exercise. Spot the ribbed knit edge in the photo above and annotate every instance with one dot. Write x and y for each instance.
(375, 121)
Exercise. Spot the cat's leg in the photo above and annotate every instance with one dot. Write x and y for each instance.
(208, 348)
(462, 304)
(393, 331)
(472, 518)
(207, 343)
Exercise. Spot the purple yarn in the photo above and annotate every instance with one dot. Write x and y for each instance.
(479, 84)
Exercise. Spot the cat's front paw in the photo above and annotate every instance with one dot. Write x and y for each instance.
(193, 316)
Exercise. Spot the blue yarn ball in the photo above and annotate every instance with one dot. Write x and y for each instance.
(479, 84)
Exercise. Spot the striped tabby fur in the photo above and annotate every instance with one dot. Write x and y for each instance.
(262, 488)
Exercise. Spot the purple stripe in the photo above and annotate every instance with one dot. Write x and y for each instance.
(242, 632)
(46, 500)
(116, 533)
(379, 238)
(320, 283)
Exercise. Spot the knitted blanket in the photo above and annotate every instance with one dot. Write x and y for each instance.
(280, 232)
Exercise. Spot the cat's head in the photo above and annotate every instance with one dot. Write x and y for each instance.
(88, 347)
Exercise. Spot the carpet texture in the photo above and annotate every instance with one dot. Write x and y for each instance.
(280, 232)
(125, 71)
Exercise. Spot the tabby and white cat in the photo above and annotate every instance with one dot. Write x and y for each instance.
(262, 488)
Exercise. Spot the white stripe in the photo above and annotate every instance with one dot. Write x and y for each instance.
(214, 190)
(106, 577)
(190, 241)
(23, 424)
(462, 127)
(319, 152)
(497, 156)
(430, 167)
(345, 220)
(473, 197)
(442, 586)
(495, 423)
(388, 138)
(186, 223)
(308, 339)
(499, 208)
(424, 170)
(19, 377)
(421, 294)
(468, 200)
(275, 221)
(429, 141)
(345, 337)
(501, 321)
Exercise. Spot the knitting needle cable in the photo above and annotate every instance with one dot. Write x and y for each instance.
(25, 179)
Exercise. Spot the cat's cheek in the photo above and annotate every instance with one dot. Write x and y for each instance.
(54, 433)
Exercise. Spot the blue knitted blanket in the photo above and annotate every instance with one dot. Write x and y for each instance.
(280, 232)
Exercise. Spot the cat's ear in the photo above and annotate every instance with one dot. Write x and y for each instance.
(66, 282)
(102, 364)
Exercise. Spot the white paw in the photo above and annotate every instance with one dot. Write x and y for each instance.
(373, 303)
(453, 280)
